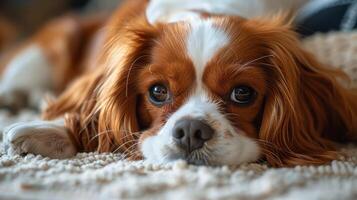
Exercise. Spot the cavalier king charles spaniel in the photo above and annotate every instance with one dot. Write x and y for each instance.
(164, 80)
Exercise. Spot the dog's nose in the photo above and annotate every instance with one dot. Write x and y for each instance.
(191, 134)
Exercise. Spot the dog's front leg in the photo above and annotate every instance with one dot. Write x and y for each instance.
(46, 138)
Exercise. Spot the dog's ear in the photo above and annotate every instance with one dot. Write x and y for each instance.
(306, 106)
(101, 106)
(77, 105)
(125, 55)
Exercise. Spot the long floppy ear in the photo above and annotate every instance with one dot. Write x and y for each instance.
(77, 105)
(306, 108)
(101, 107)
(125, 55)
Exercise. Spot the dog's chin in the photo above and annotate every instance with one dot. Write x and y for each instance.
(157, 154)
(193, 158)
(197, 157)
(235, 151)
(192, 161)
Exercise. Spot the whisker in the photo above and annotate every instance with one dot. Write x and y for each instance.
(128, 76)
(267, 143)
(252, 61)
(98, 134)
(131, 150)
(164, 157)
(267, 64)
(265, 150)
(87, 122)
(208, 153)
(137, 133)
(123, 145)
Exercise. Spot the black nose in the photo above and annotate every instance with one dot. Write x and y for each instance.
(191, 134)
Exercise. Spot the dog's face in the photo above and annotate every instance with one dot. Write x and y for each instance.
(220, 90)
(202, 93)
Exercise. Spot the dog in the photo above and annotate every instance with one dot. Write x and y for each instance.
(166, 80)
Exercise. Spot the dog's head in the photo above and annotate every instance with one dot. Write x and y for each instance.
(219, 90)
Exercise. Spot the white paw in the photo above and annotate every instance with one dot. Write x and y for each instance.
(49, 139)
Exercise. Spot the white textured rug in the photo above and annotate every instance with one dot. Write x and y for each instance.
(107, 176)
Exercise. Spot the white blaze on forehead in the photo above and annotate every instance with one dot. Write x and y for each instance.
(204, 40)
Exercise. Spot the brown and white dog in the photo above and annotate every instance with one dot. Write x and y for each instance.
(166, 80)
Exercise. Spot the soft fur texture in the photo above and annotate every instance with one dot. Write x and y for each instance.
(300, 110)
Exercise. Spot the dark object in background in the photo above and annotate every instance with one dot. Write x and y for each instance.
(324, 16)
(29, 15)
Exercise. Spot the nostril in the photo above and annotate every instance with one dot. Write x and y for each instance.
(179, 133)
(198, 134)
(206, 133)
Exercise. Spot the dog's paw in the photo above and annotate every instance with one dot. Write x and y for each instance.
(40, 138)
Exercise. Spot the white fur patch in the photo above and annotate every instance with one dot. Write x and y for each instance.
(203, 42)
(29, 72)
(29, 69)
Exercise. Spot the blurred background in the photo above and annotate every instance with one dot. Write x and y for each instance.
(20, 18)
(28, 15)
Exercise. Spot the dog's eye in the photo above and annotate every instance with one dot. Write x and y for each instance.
(159, 95)
(243, 95)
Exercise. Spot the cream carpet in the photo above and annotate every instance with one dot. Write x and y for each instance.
(107, 176)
